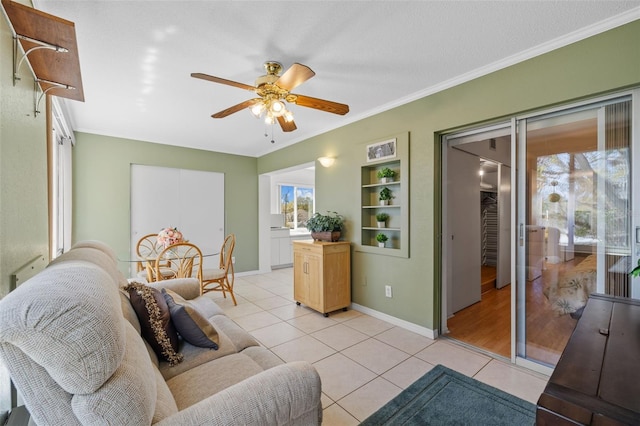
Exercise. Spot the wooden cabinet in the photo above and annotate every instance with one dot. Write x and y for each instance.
(597, 380)
(322, 275)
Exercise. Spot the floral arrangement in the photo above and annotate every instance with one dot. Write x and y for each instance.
(169, 236)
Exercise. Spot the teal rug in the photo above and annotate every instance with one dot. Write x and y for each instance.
(446, 397)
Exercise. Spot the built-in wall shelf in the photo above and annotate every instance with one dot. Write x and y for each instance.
(397, 225)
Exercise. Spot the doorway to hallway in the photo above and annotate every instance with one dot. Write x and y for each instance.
(477, 230)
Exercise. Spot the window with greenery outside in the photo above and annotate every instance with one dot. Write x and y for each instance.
(297, 205)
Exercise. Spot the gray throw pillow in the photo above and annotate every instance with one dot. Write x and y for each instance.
(191, 325)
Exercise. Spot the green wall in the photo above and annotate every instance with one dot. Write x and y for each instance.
(102, 181)
(604, 63)
(23, 178)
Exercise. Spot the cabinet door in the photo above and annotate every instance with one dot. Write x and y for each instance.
(275, 251)
(285, 251)
(315, 282)
(300, 285)
(337, 287)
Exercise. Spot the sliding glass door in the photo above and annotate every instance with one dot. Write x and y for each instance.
(574, 220)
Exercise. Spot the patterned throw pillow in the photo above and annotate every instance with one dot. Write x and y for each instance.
(155, 321)
(192, 326)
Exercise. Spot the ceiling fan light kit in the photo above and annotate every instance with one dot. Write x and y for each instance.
(274, 90)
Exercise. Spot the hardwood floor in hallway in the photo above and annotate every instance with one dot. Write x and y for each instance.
(487, 324)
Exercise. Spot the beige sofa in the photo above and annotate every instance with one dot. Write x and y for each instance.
(73, 346)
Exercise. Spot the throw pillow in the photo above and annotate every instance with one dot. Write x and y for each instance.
(155, 321)
(192, 326)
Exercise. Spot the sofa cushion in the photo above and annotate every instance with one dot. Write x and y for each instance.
(206, 306)
(155, 321)
(67, 319)
(262, 356)
(189, 288)
(95, 256)
(239, 336)
(193, 327)
(207, 379)
(129, 396)
(45, 400)
(196, 355)
(166, 403)
(128, 312)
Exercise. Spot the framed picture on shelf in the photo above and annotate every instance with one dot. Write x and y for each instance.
(381, 150)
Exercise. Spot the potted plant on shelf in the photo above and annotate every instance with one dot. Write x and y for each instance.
(381, 239)
(385, 196)
(386, 175)
(325, 227)
(381, 218)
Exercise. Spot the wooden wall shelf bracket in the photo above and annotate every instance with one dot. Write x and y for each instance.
(36, 88)
(39, 44)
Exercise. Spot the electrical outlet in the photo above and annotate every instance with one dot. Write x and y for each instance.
(233, 260)
(387, 291)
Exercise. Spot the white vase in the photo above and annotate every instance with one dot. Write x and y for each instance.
(381, 245)
(386, 179)
(382, 224)
(384, 202)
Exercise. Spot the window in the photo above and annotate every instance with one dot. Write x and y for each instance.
(297, 203)
(60, 182)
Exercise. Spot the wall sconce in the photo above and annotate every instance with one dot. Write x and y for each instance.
(327, 161)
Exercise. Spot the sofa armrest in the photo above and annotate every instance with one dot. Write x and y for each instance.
(189, 288)
(288, 394)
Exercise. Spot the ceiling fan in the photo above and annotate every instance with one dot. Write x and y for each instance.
(273, 90)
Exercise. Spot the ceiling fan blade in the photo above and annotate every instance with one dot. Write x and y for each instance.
(222, 81)
(236, 108)
(321, 104)
(287, 126)
(295, 76)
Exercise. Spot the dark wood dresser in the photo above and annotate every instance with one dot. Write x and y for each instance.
(597, 380)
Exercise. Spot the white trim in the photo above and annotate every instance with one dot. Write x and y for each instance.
(635, 183)
(565, 40)
(534, 366)
(248, 273)
(423, 331)
(60, 120)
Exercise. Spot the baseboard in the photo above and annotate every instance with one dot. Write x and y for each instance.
(423, 331)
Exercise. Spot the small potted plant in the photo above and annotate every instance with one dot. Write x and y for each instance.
(325, 227)
(385, 196)
(635, 272)
(381, 218)
(381, 239)
(386, 175)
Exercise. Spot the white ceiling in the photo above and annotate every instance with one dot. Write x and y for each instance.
(136, 58)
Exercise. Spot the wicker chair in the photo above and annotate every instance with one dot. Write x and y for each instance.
(181, 260)
(221, 278)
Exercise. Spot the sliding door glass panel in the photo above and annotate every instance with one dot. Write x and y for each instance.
(575, 220)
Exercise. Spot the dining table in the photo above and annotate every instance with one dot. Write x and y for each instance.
(150, 257)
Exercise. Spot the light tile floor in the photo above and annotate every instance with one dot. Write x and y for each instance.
(363, 362)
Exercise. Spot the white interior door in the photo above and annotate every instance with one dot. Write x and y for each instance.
(463, 212)
(190, 200)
